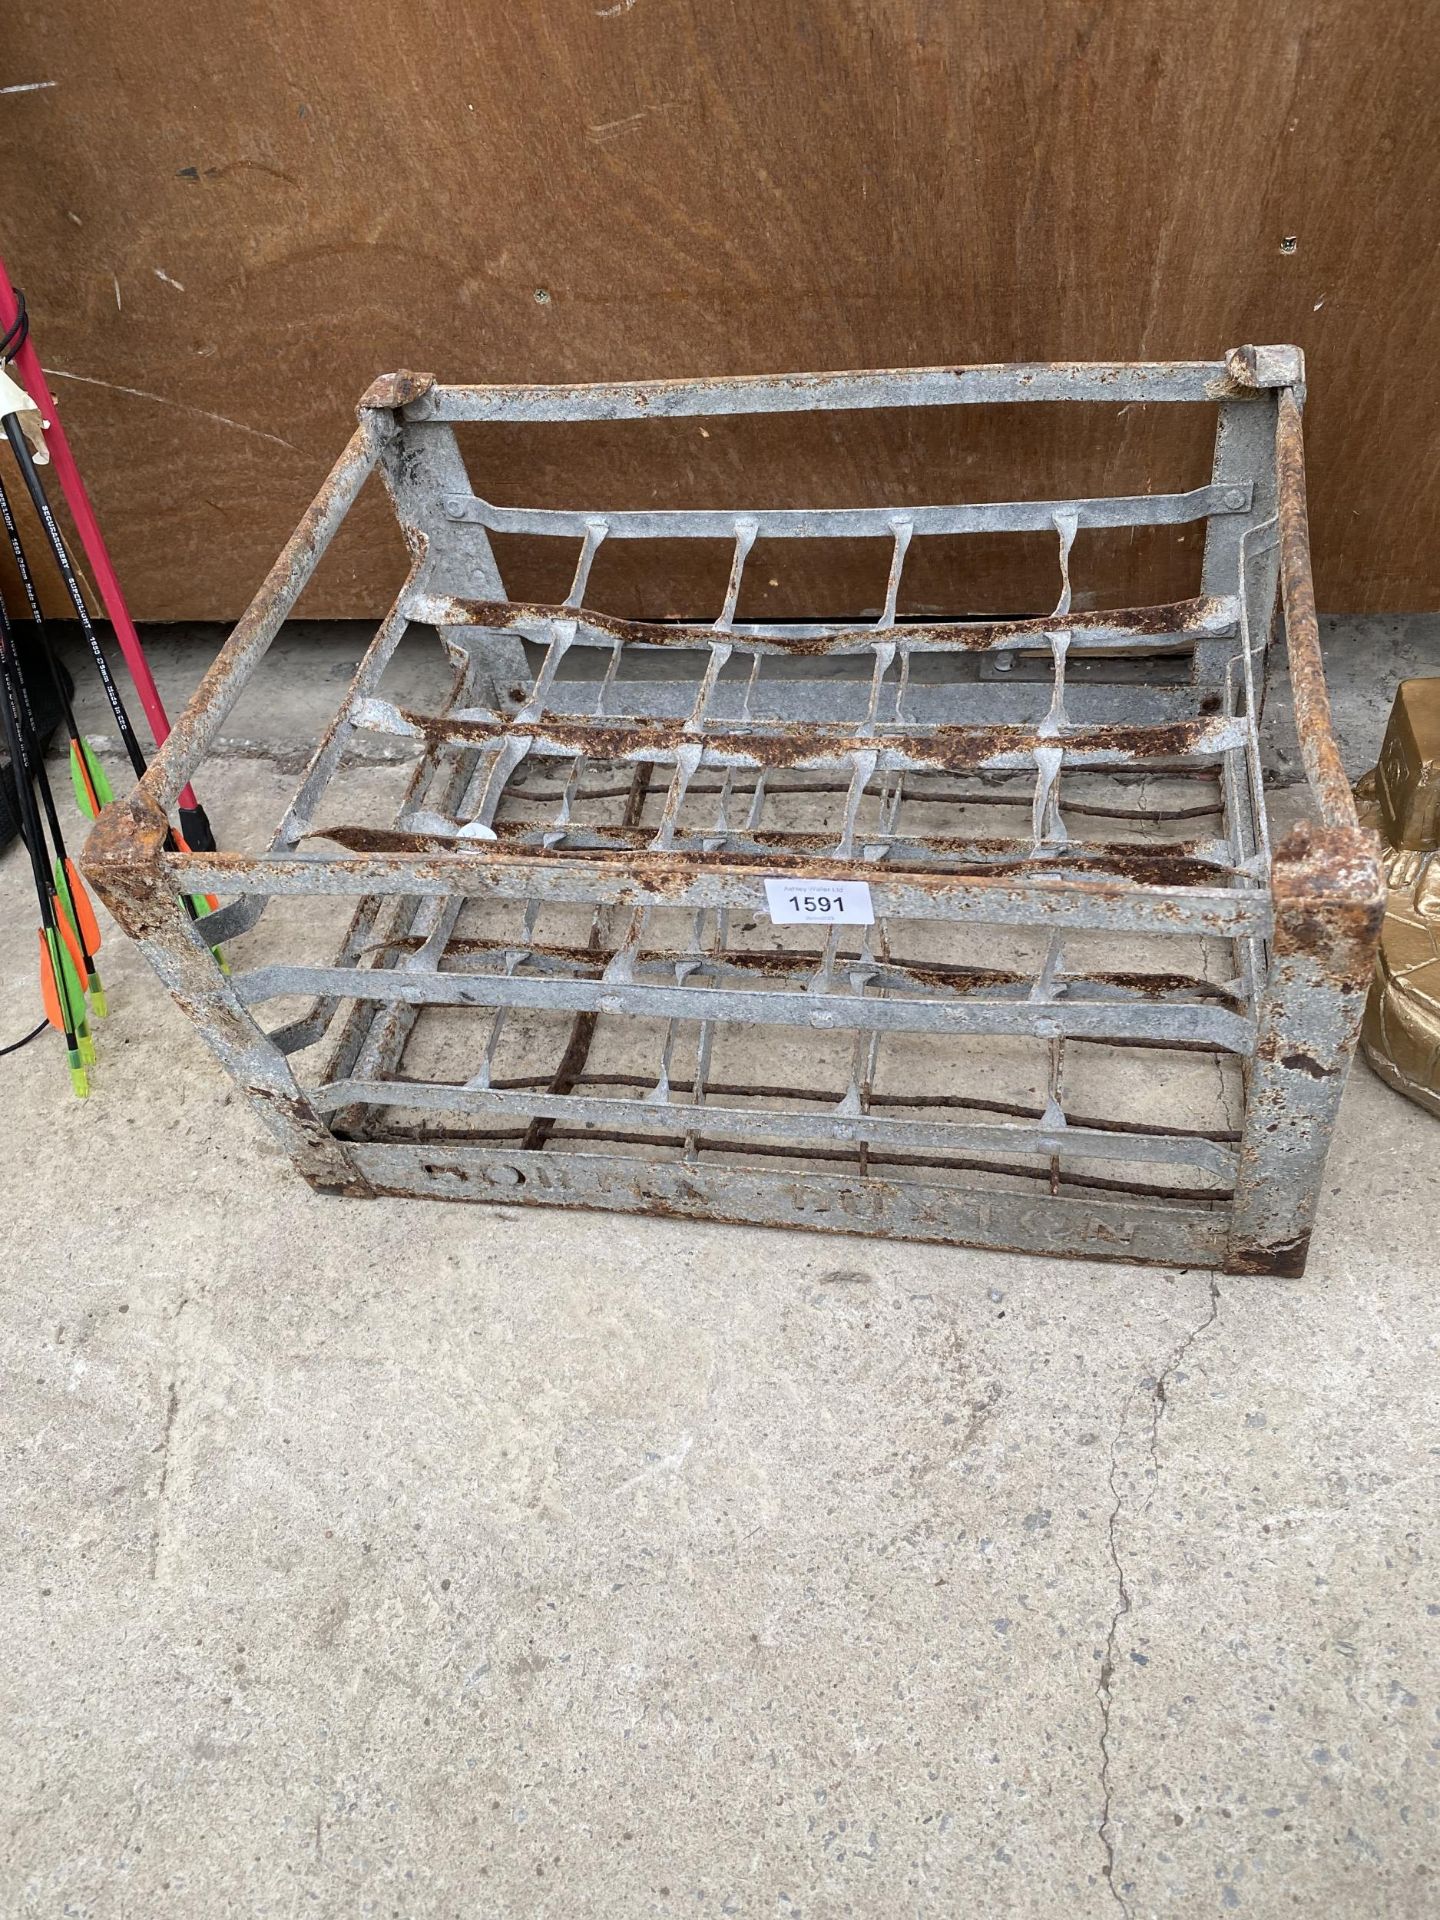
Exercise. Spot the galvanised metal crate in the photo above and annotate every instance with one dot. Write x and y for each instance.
(1077, 1002)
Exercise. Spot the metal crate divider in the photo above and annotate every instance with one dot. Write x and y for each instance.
(641, 812)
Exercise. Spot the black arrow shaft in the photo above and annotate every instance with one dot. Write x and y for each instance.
(56, 540)
(30, 834)
(33, 766)
(27, 580)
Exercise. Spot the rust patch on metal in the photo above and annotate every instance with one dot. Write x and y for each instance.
(1253, 369)
(800, 743)
(1306, 1063)
(391, 390)
(1329, 897)
(128, 833)
(122, 858)
(1124, 864)
(318, 1163)
(670, 874)
(1313, 723)
(1176, 619)
(1283, 1262)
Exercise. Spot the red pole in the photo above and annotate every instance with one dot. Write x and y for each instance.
(88, 527)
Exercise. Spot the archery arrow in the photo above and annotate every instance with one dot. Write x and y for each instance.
(53, 535)
(87, 776)
(18, 346)
(199, 904)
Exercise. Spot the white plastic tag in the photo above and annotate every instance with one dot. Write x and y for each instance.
(14, 399)
(824, 903)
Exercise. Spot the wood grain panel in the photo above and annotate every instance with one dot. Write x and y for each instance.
(228, 219)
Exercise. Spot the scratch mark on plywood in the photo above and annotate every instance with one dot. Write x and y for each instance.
(609, 13)
(611, 129)
(194, 174)
(39, 86)
(160, 274)
(115, 282)
(181, 406)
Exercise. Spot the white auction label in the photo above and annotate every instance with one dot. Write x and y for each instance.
(826, 903)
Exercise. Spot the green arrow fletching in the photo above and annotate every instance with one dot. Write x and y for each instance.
(87, 776)
(72, 994)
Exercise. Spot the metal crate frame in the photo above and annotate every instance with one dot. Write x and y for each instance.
(1300, 918)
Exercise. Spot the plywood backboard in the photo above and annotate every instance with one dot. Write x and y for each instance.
(228, 219)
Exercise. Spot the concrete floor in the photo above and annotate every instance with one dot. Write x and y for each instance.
(399, 1559)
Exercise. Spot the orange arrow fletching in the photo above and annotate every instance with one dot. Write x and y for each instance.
(50, 987)
(78, 905)
(68, 935)
(60, 989)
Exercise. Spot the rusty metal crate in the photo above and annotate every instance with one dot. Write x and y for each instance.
(1096, 1012)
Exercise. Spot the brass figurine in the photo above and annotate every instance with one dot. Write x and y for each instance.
(1400, 799)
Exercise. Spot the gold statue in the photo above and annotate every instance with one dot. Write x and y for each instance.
(1400, 799)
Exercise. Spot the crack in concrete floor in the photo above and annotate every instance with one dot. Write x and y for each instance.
(1158, 1399)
